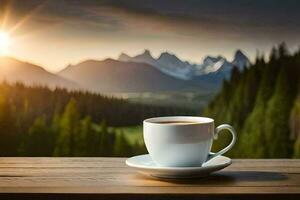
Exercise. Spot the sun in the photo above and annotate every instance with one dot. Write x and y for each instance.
(4, 42)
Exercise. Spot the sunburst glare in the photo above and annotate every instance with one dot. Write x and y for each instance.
(4, 42)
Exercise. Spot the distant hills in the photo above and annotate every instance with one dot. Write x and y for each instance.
(116, 76)
(13, 70)
(141, 73)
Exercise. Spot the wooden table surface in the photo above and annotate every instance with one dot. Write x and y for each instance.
(103, 178)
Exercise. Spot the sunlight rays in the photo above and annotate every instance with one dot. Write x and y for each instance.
(26, 17)
(8, 31)
(4, 43)
(21, 22)
(5, 16)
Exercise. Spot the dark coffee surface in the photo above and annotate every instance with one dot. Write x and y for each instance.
(176, 122)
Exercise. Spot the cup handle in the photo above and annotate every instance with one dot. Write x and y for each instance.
(218, 130)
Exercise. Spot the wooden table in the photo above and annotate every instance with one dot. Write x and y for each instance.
(110, 178)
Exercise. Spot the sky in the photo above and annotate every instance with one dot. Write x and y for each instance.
(55, 33)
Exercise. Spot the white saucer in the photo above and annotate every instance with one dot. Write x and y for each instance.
(145, 165)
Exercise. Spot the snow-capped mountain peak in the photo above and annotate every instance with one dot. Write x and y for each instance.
(210, 59)
(171, 65)
(240, 60)
(212, 64)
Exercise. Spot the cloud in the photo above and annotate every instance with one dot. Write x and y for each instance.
(212, 19)
(234, 19)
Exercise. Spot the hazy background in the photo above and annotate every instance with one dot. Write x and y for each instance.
(58, 32)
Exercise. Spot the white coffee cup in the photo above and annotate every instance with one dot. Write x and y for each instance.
(183, 141)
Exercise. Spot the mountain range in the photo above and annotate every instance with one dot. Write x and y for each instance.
(141, 73)
(13, 70)
(171, 65)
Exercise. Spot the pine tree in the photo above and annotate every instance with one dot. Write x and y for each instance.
(122, 146)
(40, 140)
(90, 138)
(276, 119)
(10, 139)
(258, 104)
(69, 128)
(295, 127)
(296, 153)
(252, 141)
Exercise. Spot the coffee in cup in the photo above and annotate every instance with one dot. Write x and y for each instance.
(182, 141)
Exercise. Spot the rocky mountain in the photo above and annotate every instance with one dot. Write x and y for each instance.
(167, 63)
(13, 70)
(171, 65)
(240, 60)
(112, 76)
(211, 64)
(141, 73)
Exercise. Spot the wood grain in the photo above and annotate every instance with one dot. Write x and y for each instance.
(96, 178)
